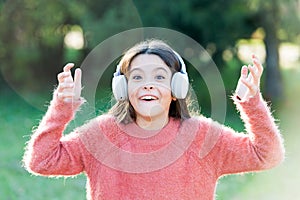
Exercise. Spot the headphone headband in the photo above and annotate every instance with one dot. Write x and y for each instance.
(118, 70)
(182, 66)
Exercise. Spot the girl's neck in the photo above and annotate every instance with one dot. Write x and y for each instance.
(151, 123)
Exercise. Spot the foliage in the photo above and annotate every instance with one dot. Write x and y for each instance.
(32, 49)
(216, 25)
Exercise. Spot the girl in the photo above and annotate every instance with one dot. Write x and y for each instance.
(148, 146)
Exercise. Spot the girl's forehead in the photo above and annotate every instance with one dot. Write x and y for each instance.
(150, 68)
(147, 59)
(146, 62)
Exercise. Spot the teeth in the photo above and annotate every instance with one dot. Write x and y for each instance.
(148, 98)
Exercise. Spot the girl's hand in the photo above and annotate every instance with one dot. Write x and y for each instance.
(69, 90)
(249, 83)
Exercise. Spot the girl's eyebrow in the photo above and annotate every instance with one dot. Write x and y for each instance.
(139, 69)
(136, 69)
(162, 68)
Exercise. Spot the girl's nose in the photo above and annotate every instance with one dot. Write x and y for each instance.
(148, 87)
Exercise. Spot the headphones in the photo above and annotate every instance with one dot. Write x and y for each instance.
(179, 82)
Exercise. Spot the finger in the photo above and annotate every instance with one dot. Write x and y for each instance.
(257, 64)
(77, 83)
(246, 82)
(255, 76)
(65, 87)
(251, 87)
(61, 76)
(64, 95)
(68, 66)
(67, 94)
(244, 71)
(68, 100)
(67, 70)
(253, 71)
(254, 56)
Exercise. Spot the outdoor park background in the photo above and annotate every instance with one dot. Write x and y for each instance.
(37, 38)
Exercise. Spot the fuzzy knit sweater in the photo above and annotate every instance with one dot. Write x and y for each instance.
(182, 161)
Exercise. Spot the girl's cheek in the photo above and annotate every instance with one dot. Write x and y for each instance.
(166, 87)
(132, 88)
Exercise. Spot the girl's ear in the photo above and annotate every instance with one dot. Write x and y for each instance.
(174, 99)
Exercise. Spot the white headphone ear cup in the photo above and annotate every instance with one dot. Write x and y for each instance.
(119, 88)
(180, 85)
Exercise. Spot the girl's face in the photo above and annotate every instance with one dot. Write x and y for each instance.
(149, 89)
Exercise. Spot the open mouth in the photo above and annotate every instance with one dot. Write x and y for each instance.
(148, 98)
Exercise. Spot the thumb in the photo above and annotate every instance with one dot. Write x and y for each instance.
(77, 84)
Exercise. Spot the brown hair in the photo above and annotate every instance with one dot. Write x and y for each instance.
(123, 110)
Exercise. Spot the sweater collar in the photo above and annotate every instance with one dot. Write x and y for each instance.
(140, 137)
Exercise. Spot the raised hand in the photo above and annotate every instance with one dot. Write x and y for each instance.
(69, 90)
(249, 83)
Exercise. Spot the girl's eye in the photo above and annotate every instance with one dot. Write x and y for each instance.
(137, 77)
(160, 77)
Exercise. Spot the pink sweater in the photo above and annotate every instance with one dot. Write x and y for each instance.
(182, 161)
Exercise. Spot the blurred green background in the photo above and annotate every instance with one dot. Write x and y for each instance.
(38, 37)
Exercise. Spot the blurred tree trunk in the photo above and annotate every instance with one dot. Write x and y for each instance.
(273, 83)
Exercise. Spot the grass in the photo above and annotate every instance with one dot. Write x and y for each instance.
(17, 119)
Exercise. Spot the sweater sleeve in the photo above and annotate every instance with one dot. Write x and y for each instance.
(48, 152)
(258, 149)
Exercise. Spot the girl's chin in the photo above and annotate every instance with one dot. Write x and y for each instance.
(148, 105)
(151, 112)
(151, 115)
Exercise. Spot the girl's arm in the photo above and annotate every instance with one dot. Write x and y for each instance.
(262, 146)
(47, 153)
(258, 149)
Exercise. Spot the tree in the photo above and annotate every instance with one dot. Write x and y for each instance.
(32, 49)
(215, 25)
(269, 21)
(280, 22)
(218, 25)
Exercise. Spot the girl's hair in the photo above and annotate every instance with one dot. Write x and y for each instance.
(123, 110)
